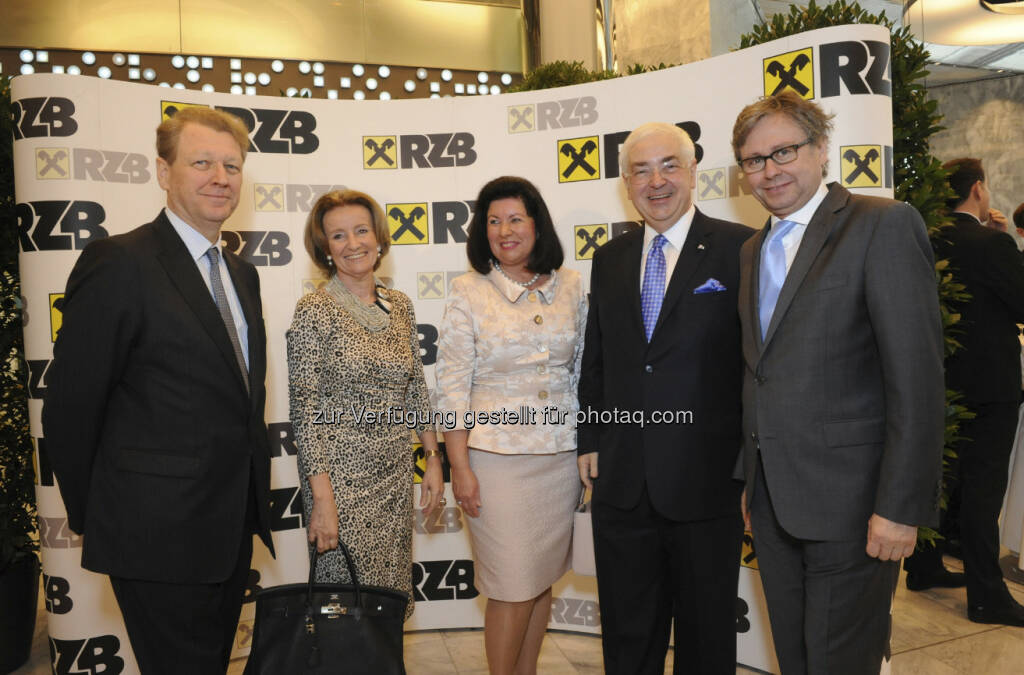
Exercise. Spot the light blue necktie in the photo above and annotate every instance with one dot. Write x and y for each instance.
(653, 290)
(773, 272)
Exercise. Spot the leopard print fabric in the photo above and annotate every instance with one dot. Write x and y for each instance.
(338, 374)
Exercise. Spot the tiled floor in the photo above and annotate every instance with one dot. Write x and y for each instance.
(931, 636)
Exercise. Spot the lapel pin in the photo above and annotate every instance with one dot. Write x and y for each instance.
(700, 247)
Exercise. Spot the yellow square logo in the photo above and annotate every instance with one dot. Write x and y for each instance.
(711, 184)
(521, 118)
(408, 223)
(268, 197)
(53, 164)
(860, 165)
(168, 108)
(430, 285)
(748, 558)
(579, 159)
(380, 152)
(792, 70)
(588, 239)
(56, 316)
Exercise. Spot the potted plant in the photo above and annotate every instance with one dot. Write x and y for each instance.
(19, 546)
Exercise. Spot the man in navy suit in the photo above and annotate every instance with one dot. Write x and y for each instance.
(154, 407)
(663, 335)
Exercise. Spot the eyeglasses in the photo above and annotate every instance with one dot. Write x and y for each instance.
(642, 175)
(783, 155)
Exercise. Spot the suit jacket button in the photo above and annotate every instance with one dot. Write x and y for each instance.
(648, 368)
(759, 379)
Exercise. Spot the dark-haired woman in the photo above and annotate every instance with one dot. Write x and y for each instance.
(507, 365)
(354, 353)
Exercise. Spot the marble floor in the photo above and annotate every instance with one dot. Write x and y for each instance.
(931, 636)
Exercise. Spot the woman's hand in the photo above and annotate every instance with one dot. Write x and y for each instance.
(323, 519)
(467, 491)
(432, 487)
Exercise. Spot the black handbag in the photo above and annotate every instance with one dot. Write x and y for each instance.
(328, 628)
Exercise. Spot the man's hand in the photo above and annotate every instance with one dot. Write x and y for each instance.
(888, 540)
(997, 220)
(588, 468)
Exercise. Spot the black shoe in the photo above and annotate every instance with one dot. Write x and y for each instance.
(1008, 613)
(941, 579)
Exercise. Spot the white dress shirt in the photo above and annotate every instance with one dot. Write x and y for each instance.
(802, 216)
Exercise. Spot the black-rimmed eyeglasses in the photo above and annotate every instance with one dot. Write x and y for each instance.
(783, 155)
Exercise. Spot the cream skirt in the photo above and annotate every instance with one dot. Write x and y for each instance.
(523, 537)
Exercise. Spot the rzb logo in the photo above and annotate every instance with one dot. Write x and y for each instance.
(289, 197)
(107, 166)
(79, 223)
(588, 239)
(41, 117)
(270, 131)
(443, 580)
(94, 655)
(258, 248)
(571, 112)
(579, 159)
(861, 165)
(408, 223)
(792, 70)
(430, 151)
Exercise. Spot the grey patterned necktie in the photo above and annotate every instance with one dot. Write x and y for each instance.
(221, 298)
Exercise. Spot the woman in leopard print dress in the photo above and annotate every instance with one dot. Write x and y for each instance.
(353, 357)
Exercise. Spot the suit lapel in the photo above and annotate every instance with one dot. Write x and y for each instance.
(750, 292)
(815, 236)
(183, 273)
(695, 249)
(634, 252)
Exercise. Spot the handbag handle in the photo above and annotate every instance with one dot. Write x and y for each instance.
(357, 591)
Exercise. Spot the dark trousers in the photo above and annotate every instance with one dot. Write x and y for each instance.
(983, 466)
(651, 570)
(183, 628)
(828, 601)
(186, 628)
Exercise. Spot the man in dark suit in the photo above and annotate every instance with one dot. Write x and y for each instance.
(842, 392)
(986, 370)
(663, 336)
(154, 407)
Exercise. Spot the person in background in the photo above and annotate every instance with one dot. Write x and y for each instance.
(843, 399)
(987, 371)
(511, 340)
(353, 356)
(666, 519)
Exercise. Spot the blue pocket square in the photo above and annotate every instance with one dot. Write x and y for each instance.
(710, 286)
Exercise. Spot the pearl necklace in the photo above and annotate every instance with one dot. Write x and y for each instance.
(524, 284)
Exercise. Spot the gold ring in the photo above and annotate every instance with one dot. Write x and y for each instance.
(442, 502)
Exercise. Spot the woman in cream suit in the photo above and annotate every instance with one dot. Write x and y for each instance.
(507, 365)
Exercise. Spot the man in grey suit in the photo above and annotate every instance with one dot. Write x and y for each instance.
(842, 392)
